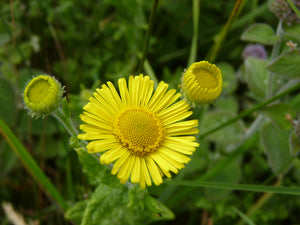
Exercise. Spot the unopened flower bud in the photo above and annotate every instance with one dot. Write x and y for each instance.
(202, 83)
(42, 95)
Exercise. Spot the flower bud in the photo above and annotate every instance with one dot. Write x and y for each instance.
(256, 51)
(202, 83)
(42, 95)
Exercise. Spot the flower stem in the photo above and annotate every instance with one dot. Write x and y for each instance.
(251, 110)
(67, 123)
(31, 166)
(213, 53)
(149, 31)
(193, 51)
(261, 201)
(294, 7)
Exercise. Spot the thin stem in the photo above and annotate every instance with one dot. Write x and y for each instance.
(239, 187)
(294, 8)
(67, 123)
(12, 23)
(251, 110)
(213, 53)
(149, 31)
(194, 46)
(31, 166)
(261, 201)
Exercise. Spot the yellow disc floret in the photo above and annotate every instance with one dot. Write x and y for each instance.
(42, 95)
(202, 83)
(138, 130)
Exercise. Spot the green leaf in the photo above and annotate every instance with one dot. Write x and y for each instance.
(109, 206)
(294, 141)
(229, 135)
(76, 211)
(276, 144)
(256, 76)
(95, 171)
(8, 102)
(260, 33)
(8, 159)
(292, 31)
(287, 65)
(278, 112)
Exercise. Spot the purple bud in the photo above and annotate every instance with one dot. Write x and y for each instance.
(256, 51)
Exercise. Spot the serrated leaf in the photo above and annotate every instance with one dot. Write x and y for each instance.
(256, 76)
(108, 206)
(294, 141)
(95, 171)
(75, 212)
(278, 112)
(260, 33)
(287, 65)
(8, 103)
(276, 144)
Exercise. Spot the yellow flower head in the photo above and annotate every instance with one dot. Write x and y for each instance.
(202, 83)
(140, 131)
(42, 95)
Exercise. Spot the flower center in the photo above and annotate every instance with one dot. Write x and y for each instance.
(38, 91)
(138, 130)
(205, 78)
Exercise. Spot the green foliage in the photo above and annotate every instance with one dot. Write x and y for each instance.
(287, 65)
(256, 76)
(276, 144)
(278, 114)
(8, 106)
(120, 205)
(85, 43)
(260, 33)
(96, 172)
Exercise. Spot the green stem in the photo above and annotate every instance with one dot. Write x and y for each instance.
(31, 166)
(239, 187)
(149, 31)
(67, 123)
(294, 8)
(249, 111)
(149, 71)
(194, 46)
(261, 201)
(213, 53)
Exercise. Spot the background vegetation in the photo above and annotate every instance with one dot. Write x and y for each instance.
(85, 43)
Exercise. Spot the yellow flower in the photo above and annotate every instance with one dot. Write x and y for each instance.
(141, 132)
(202, 83)
(42, 95)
